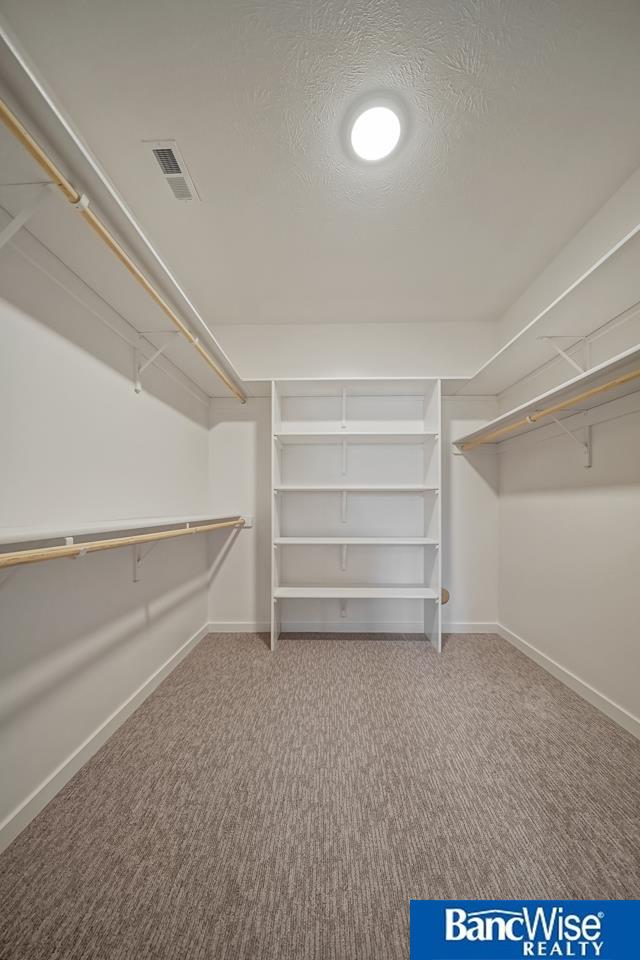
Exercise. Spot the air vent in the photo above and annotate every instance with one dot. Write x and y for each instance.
(180, 188)
(170, 160)
(167, 160)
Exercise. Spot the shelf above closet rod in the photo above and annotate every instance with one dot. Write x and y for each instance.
(74, 550)
(36, 534)
(570, 398)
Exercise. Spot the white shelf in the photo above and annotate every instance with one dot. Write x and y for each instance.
(355, 593)
(606, 290)
(355, 436)
(354, 488)
(36, 534)
(603, 372)
(356, 541)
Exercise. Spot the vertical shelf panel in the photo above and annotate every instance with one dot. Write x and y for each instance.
(276, 468)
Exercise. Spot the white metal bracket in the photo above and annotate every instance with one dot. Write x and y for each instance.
(343, 425)
(135, 562)
(23, 216)
(344, 458)
(7, 576)
(585, 445)
(69, 542)
(343, 557)
(138, 556)
(82, 203)
(140, 364)
(551, 340)
(343, 510)
(343, 608)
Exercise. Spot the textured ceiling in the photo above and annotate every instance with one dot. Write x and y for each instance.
(523, 121)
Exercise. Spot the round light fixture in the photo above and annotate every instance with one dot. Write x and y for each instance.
(375, 133)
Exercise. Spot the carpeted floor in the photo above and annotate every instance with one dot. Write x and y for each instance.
(288, 806)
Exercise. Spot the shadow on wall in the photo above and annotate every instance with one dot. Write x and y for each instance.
(548, 460)
(59, 622)
(484, 462)
(38, 284)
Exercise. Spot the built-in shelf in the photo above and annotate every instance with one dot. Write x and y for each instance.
(356, 593)
(356, 541)
(354, 488)
(354, 436)
(39, 533)
(619, 367)
(338, 438)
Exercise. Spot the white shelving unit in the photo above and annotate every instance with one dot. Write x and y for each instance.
(356, 528)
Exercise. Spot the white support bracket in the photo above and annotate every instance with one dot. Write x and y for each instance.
(138, 556)
(343, 609)
(7, 576)
(551, 340)
(343, 425)
(69, 542)
(343, 509)
(343, 557)
(585, 445)
(23, 216)
(140, 364)
(344, 458)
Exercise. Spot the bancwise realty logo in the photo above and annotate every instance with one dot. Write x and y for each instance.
(510, 929)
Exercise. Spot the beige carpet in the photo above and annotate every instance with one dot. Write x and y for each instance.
(288, 806)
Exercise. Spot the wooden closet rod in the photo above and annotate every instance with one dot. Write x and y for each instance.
(493, 435)
(94, 546)
(80, 202)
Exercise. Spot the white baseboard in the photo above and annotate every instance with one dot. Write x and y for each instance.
(239, 626)
(613, 710)
(18, 818)
(342, 626)
(351, 626)
(467, 627)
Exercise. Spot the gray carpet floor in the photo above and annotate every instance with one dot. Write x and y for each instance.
(289, 805)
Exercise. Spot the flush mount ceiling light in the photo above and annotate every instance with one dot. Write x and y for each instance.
(375, 133)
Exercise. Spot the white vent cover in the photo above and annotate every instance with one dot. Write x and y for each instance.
(169, 158)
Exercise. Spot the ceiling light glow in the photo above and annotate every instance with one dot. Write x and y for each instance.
(375, 133)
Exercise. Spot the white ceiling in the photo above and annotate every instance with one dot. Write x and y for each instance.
(523, 117)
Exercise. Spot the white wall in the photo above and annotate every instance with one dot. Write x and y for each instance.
(79, 638)
(569, 557)
(469, 520)
(349, 350)
(240, 471)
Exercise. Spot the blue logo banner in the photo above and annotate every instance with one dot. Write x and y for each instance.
(510, 929)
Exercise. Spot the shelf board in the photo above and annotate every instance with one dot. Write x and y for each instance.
(36, 534)
(356, 541)
(356, 593)
(618, 366)
(354, 488)
(605, 291)
(355, 436)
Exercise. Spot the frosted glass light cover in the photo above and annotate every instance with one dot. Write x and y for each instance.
(375, 133)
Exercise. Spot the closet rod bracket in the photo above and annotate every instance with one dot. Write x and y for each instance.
(585, 445)
(24, 215)
(140, 364)
(551, 340)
